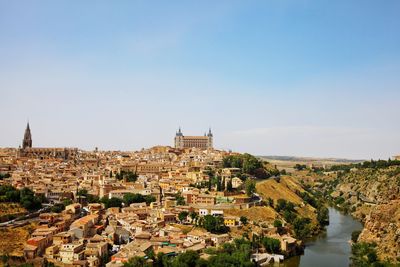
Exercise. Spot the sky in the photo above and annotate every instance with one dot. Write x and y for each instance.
(273, 77)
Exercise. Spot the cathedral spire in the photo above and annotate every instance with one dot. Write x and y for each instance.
(27, 142)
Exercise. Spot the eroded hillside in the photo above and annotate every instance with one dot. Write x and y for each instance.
(373, 196)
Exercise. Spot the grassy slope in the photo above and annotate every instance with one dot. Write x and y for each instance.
(12, 240)
(270, 188)
(11, 208)
(286, 189)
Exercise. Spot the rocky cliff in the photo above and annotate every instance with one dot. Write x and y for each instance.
(373, 196)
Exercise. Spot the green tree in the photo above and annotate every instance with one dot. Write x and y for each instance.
(67, 201)
(214, 225)
(57, 208)
(270, 202)
(271, 245)
(131, 177)
(194, 216)
(300, 167)
(182, 216)
(159, 262)
(355, 235)
(149, 198)
(246, 162)
(186, 259)
(243, 220)
(180, 200)
(301, 227)
(130, 198)
(112, 202)
(277, 223)
(323, 215)
(229, 185)
(283, 205)
(250, 186)
(82, 192)
(137, 262)
(364, 254)
(28, 199)
(219, 184)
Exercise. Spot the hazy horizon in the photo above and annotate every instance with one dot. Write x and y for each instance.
(290, 78)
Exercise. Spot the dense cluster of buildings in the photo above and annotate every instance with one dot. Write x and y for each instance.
(88, 234)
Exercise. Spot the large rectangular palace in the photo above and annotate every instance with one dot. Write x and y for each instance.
(202, 142)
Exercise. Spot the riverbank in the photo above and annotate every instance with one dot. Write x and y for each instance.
(331, 248)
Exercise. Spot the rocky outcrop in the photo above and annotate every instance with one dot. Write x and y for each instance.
(372, 195)
(382, 226)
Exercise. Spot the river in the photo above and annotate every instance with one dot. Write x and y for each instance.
(331, 248)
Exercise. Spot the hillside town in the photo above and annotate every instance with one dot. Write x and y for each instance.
(102, 208)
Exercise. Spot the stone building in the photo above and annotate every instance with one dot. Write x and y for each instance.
(202, 142)
(43, 152)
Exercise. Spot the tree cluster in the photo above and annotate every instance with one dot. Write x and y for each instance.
(58, 207)
(113, 202)
(322, 211)
(300, 167)
(372, 164)
(213, 224)
(250, 187)
(138, 198)
(355, 235)
(89, 197)
(364, 254)
(128, 199)
(180, 200)
(228, 255)
(235, 254)
(4, 175)
(25, 197)
(301, 226)
(271, 245)
(128, 176)
(247, 163)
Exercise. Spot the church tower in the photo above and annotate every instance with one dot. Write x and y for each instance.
(210, 137)
(179, 139)
(27, 142)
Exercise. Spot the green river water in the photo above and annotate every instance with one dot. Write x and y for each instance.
(331, 248)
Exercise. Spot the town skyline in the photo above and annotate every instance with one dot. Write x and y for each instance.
(223, 133)
(178, 132)
(273, 77)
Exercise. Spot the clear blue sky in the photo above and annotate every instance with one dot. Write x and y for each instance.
(271, 77)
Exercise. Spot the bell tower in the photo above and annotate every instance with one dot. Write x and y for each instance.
(27, 142)
(210, 137)
(179, 139)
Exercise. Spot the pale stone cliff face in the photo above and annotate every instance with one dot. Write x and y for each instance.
(373, 196)
(382, 226)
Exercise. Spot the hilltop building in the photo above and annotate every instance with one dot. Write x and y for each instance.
(43, 152)
(202, 142)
